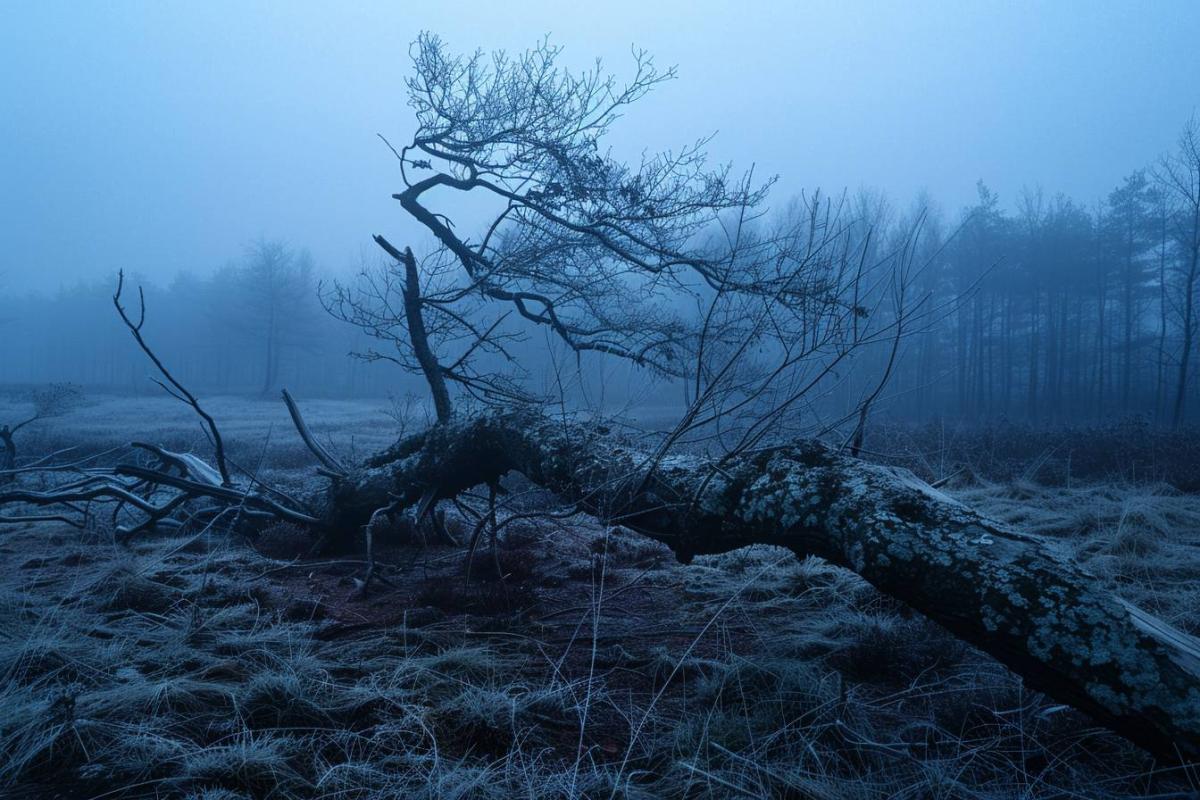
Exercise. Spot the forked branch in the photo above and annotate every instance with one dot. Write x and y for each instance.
(334, 467)
(175, 389)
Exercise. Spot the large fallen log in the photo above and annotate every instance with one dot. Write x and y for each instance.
(1010, 594)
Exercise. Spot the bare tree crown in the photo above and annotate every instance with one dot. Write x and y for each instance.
(51, 401)
(608, 256)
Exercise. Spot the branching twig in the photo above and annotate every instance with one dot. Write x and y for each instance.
(180, 391)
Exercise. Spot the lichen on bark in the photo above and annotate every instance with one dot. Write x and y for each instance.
(1000, 589)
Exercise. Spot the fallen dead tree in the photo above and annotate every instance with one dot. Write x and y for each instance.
(1010, 594)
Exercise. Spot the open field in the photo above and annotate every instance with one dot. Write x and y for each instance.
(578, 661)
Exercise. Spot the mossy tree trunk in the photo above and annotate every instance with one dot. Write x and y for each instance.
(1010, 594)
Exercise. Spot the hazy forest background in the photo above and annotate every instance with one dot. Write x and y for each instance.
(1058, 309)
(581, 468)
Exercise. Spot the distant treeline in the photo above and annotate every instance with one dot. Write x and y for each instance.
(1050, 312)
(1065, 313)
(251, 327)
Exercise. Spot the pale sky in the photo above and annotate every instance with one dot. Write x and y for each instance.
(162, 137)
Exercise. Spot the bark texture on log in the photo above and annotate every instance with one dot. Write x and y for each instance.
(1010, 594)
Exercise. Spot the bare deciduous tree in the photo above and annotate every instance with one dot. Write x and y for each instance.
(595, 251)
(432, 327)
(51, 401)
(610, 256)
(1178, 176)
(273, 304)
(577, 241)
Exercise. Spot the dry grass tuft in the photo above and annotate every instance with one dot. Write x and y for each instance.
(588, 665)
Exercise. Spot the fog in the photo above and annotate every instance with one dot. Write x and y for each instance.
(180, 143)
(161, 138)
(624, 399)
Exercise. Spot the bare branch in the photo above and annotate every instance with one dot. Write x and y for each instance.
(316, 448)
(136, 330)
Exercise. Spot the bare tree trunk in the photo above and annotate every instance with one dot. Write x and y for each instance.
(420, 339)
(269, 369)
(8, 458)
(431, 368)
(1007, 344)
(1189, 331)
(1160, 383)
(1101, 331)
(1034, 342)
(270, 365)
(1127, 354)
(1010, 594)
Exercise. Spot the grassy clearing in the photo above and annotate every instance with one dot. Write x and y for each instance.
(212, 667)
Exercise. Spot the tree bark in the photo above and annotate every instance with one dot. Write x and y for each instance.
(8, 455)
(1189, 327)
(1012, 595)
(418, 336)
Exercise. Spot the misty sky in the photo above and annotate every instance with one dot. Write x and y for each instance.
(162, 137)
